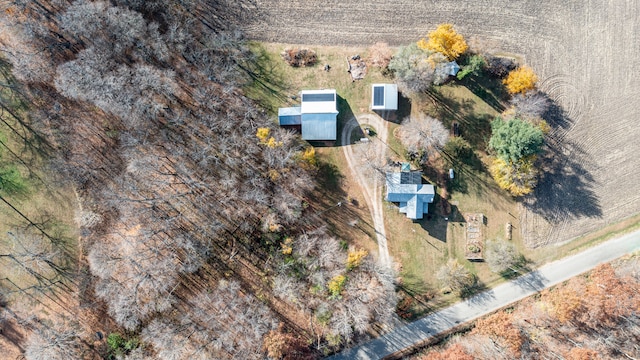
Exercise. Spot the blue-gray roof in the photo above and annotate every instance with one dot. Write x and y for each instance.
(289, 116)
(452, 68)
(319, 97)
(406, 188)
(317, 114)
(319, 126)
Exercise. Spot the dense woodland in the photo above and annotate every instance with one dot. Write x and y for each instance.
(197, 238)
(589, 317)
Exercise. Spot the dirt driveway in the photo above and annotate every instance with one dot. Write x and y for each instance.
(585, 53)
(365, 160)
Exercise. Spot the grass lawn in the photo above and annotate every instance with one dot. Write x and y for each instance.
(39, 198)
(419, 248)
(279, 84)
(351, 221)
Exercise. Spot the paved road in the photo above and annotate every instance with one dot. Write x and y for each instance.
(489, 301)
(371, 184)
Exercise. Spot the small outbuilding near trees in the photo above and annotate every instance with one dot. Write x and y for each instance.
(384, 97)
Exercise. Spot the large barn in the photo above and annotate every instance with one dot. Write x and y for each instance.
(316, 115)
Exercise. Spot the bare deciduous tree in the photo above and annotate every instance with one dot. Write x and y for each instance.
(423, 136)
(502, 256)
(531, 105)
(59, 342)
(455, 276)
(224, 324)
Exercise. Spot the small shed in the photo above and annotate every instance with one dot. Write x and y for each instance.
(384, 97)
(412, 196)
(452, 68)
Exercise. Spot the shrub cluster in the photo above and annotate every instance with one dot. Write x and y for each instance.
(297, 57)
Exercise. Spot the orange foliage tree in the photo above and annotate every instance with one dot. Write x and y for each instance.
(566, 301)
(284, 345)
(500, 325)
(521, 80)
(453, 352)
(582, 354)
(445, 40)
(610, 297)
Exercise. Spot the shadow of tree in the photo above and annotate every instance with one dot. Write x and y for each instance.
(227, 14)
(477, 293)
(420, 294)
(565, 189)
(556, 117)
(329, 177)
(267, 85)
(487, 88)
(12, 333)
(474, 127)
(531, 281)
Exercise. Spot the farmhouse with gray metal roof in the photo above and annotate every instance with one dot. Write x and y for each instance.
(316, 116)
(407, 189)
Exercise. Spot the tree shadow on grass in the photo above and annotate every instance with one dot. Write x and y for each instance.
(420, 294)
(465, 172)
(329, 177)
(267, 85)
(489, 89)
(473, 127)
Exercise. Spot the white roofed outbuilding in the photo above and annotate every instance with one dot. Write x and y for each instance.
(384, 97)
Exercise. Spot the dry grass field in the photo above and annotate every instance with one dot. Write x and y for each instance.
(585, 53)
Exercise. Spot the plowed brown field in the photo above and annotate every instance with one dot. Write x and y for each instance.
(586, 52)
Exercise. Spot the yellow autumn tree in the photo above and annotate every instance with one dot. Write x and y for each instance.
(262, 134)
(355, 257)
(445, 40)
(521, 80)
(308, 158)
(517, 177)
(336, 284)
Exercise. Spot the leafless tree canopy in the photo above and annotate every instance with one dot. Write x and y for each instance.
(531, 105)
(501, 256)
(423, 136)
(222, 324)
(142, 105)
(60, 342)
